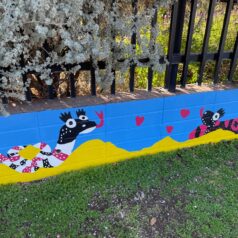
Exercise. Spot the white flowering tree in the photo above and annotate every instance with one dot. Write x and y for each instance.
(37, 35)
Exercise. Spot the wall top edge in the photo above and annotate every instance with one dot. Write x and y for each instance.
(84, 101)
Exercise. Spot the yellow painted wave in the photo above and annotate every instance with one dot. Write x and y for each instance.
(97, 152)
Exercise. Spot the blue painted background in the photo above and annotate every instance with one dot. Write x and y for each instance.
(120, 121)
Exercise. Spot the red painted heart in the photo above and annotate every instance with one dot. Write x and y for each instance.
(169, 129)
(184, 113)
(139, 120)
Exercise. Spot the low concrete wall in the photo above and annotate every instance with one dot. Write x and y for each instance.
(118, 131)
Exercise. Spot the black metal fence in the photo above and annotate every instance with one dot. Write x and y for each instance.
(175, 57)
(176, 30)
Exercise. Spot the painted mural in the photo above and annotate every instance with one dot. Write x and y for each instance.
(46, 158)
(96, 135)
(211, 122)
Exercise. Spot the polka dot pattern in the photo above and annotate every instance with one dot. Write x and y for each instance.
(3, 158)
(42, 160)
(60, 155)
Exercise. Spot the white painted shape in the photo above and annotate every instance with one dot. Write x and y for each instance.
(88, 130)
(66, 148)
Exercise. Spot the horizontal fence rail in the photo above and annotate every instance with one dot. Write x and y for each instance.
(174, 55)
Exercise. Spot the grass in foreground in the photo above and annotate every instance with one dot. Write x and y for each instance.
(187, 193)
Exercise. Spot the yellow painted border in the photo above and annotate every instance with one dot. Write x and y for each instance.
(96, 152)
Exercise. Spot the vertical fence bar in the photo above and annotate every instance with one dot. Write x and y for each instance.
(113, 86)
(211, 9)
(51, 89)
(4, 98)
(233, 60)
(93, 78)
(150, 78)
(173, 23)
(189, 42)
(28, 91)
(24, 79)
(229, 6)
(152, 46)
(133, 43)
(171, 75)
(50, 92)
(72, 85)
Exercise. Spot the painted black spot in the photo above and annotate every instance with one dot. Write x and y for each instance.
(36, 168)
(197, 133)
(23, 162)
(46, 153)
(235, 124)
(13, 166)
(46, 164)
(11, 155)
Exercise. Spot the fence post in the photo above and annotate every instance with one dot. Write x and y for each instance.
(28, 91)
(133, 43)
(211, 9)
(233, 60)
(175, 41)
(72, 85)
(189, 42)
(152, 46)
(4, 99)
(93, 78)
(113, 86)
(229, 6)
(24, 79)
(50, 92)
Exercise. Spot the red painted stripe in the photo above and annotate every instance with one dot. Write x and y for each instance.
(234, 125)
(3, 158)
(61, 156)
(17, 148)
(42, 145)
(227, 123)
(14, 158)
(192, 134)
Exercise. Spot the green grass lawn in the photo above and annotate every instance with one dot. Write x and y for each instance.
(187, 193)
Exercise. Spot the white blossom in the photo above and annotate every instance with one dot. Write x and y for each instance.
(38, 34)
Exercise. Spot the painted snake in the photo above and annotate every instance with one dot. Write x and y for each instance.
(211, 122)
(65, 144)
